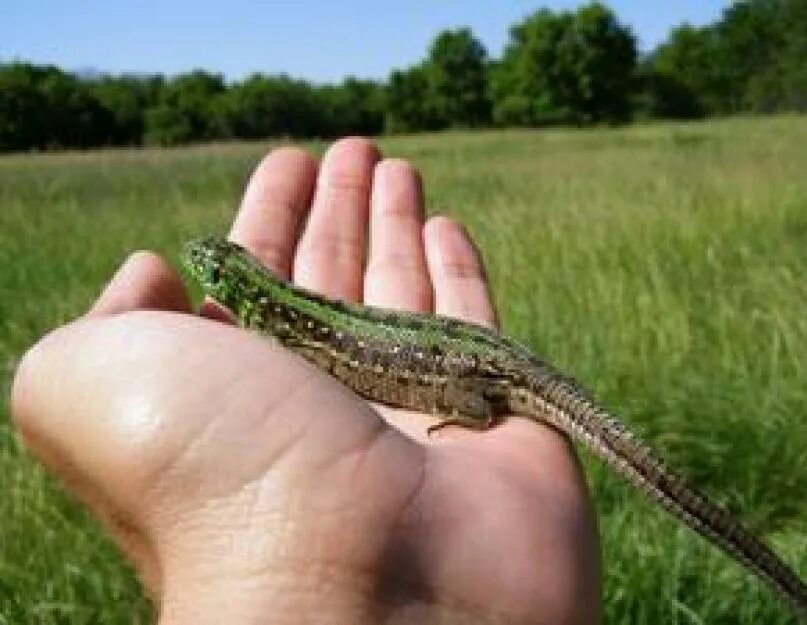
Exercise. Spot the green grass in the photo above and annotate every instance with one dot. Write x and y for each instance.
(663, 264)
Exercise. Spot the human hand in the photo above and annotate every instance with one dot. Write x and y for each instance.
(249, 487)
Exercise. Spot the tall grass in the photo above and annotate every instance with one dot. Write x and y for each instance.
(663, 264)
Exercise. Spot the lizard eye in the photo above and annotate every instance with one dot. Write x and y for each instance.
(214, 274)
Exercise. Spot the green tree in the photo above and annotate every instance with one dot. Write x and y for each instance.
(250, 108)
(75, 117)
(662, 95)
(44, 107)
(272, 106)
(566, 67)
(448, 88)
(23, 109)
(352, 107)
(166, 125)
(190, 109)
(749, 41)
(794, 57)
(457, 81)
(751, 59)
(127, 98)
(766, 42)
(410, 106)
(684, 79)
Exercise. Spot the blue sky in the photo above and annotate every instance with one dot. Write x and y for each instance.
(319, 40)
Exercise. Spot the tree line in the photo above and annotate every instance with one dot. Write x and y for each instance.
(558, 67)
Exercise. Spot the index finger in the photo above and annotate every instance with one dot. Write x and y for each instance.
(274, 207)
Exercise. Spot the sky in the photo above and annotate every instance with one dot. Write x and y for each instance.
(320, 40)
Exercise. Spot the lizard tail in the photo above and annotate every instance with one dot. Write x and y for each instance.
(558, 401)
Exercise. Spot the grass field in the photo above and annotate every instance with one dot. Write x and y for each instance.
(665, 265)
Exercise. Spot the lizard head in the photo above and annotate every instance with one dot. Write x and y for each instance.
(225, 270)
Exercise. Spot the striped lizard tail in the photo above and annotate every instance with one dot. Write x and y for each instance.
(559, 402)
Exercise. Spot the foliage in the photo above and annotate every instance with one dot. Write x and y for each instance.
(276, 106)
(409, 105)
(456, 71)
(753, 59)
(566, 67)
(447, 89)
(44, 107)
(190, 108)
(127, 98)
(562, 67)
(681, 79)
(265, 106)
(354, 107)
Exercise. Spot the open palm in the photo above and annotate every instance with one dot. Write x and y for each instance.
(249, 487)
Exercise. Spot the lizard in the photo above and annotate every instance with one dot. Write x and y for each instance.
(468, 375)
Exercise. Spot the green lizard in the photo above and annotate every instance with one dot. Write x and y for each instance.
(468, 375)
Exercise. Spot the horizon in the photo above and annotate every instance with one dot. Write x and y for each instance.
(77, 41)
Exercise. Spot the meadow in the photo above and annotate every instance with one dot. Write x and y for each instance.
(665, 265)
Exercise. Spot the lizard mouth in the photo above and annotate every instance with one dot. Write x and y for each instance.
(193, 258)
(203, 261)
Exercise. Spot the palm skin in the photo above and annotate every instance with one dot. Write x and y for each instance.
(248, 487)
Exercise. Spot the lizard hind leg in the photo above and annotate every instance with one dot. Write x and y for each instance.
(466, 407)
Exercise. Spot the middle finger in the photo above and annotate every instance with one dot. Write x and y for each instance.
(331, 251)
(396, 275)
